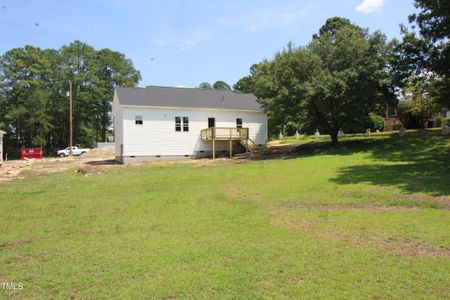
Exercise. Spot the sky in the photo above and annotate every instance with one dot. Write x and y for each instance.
(183, 43)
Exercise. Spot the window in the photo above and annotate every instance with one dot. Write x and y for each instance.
(138, 120)
(185, 124)
(177, 123)
(391, 111)
(394, 112)
(239, 123)
(211, 122)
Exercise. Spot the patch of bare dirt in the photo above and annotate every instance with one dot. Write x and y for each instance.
(17, 169)
(101, 158)
(10, 171)
(398, 245)
(16, 260)
(442, 201)
(332, 207)
(105, 152)
(15, 244)
(89, 170)
(296, 281)
(278, 151)
(93, 162)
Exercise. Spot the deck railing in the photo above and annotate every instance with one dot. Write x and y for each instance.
(224, 133)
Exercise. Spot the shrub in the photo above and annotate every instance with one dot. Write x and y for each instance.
(397, 124)
(377, 122)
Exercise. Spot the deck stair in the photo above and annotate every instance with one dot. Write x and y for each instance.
(231, 134)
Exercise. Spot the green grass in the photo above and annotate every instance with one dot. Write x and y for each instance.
(370, 220)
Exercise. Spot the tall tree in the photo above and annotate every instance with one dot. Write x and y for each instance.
(112, 69)
(205, 86)
(247, 83)
(334, 82)
(79, 67)
(427, 50)
(332, 25)
(350, 77)
(26, 73)
(280, 85)
(423, 104)
(33, 104)
(221, 85)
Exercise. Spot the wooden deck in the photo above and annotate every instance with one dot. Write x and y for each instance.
(230, 134)
(224, 134)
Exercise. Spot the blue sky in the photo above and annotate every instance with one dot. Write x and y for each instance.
(182, 43)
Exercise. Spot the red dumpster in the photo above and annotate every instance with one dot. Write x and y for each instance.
(28, 153)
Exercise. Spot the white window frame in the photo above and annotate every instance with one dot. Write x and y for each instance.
(185, 124)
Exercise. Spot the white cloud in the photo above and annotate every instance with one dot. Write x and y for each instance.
(184, 41)
(368, 6)
(262, 19)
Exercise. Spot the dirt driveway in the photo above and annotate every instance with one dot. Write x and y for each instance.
(99, 158)
(17, 169)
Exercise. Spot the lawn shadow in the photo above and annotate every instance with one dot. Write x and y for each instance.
(312, 148)
(418, 162)
(423, 165)
(105, 162)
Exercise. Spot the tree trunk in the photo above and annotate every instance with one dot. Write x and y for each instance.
(423, 123)
(104, 133)
(334, 139)
(104, 120)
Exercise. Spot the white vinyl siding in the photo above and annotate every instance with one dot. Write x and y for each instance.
(157, 136)
(118, 131)
(117, 111)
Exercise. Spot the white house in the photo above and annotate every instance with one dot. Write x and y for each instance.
(1, 146)
(165, 122)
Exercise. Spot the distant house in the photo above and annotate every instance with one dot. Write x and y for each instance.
(166, 123)
(1, 146)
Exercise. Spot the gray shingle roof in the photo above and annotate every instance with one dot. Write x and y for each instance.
(186, 97)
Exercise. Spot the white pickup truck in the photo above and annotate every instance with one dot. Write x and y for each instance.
(75, 151)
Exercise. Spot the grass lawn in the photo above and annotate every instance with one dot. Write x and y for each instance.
(370, 220)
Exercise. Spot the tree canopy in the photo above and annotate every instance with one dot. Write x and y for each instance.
(247, 83)
(333, 83)
(332, 25)
(218, 85)
(421, 97)
(33, 102)
(427, 50)
(221, 85)
(205, 86)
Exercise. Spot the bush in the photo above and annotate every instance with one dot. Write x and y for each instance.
(377, 122)
(397, 124)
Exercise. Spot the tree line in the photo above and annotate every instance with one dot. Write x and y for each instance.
(34, 107)
(346, 78)
(343, 79)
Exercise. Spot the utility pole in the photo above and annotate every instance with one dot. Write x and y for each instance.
(70, 117)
